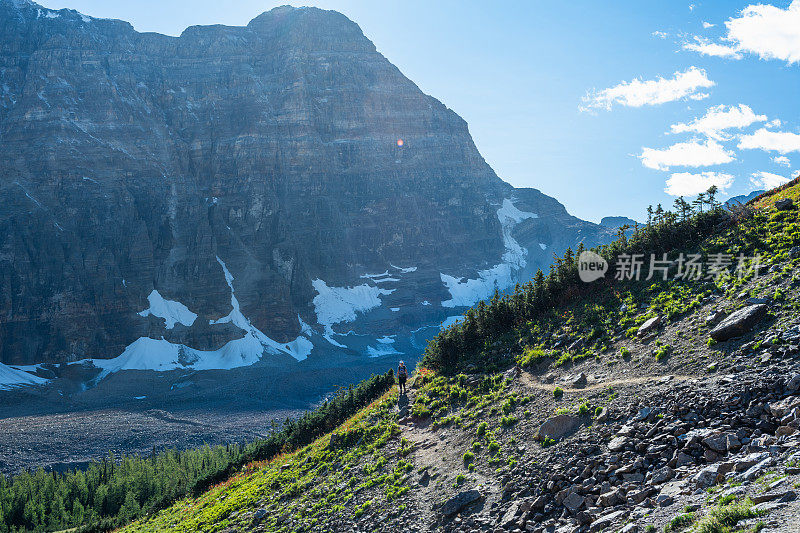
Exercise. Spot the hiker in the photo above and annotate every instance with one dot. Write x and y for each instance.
(402, 376)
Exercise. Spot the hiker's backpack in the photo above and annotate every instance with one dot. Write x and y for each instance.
(402, 372)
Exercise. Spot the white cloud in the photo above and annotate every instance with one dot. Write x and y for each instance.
(688, 184)
(782, 160)
(782, 142)
(660, 34)
(689, 154)
(767, 180)
(707, 25)
(764, 30)
(708, 48)
(638, 93)
(718, 119)
(768, 31)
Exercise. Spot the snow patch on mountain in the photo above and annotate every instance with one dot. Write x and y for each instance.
(300, 348)
(406, 270)
(171, 311)
(11, 378)
(341, 304)
(161, 355)
(467, 292)
(382, 350)
(449, 321)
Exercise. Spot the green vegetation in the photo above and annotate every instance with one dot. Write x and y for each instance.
(558, 392)
(723, 518)
(680, 522)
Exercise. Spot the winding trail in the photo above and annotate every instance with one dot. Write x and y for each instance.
(530, 381)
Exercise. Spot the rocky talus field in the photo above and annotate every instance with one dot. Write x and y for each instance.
(641, 406)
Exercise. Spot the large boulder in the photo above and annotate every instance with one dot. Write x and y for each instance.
(784, 204)
(558, 427)
(459, 501)
(739, 322)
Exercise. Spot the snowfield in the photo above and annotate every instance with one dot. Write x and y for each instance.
(11, 378)
(171, 311)
(341, 304)
(467, 292)
(161, 355)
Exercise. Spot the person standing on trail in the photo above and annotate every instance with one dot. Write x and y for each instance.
(402, 376)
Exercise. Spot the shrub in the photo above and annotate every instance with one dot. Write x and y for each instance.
(558, 392)
(509, 420)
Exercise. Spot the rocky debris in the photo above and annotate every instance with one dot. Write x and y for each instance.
(558, 427)
(784, 204)
(739, 322)
(699, 435)
(649, 326)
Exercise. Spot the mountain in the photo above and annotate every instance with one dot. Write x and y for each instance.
(743, 198)
(617, 222)
(235, 196)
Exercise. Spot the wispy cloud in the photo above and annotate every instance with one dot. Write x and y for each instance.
(638, 93)
(718, 119)
(767, 180)
(687, 154)
(688, 184)
(782, 160)
(782, 142)
(764, 30)
(709, 48)
(707, 25)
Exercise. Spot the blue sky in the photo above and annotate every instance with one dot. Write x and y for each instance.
(550, 93)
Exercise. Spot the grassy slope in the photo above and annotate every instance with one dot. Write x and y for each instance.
(474, 430)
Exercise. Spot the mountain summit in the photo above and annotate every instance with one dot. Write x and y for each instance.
(268, 193)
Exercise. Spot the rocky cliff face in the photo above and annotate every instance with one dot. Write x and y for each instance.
(239, 194)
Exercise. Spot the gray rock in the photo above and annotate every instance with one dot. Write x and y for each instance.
(573, 501)
(459, 501)
(707, 477)
(617, 443)
(510, 515)
(649, 326)
(558, 427)
(784, 204)
(718, 442)
(662, 475)
(608, 520)
(739, 322)
(682, 459)
(611, 498)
